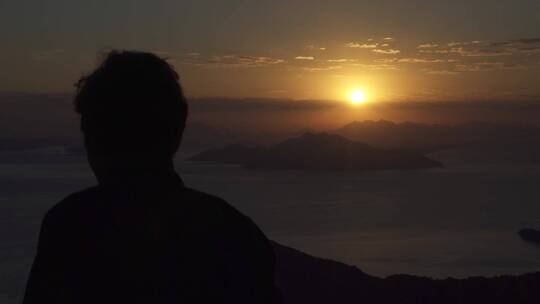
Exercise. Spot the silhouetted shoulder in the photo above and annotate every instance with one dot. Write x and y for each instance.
(71, 203)
(247, 256)
(230, 220)
(214, 205)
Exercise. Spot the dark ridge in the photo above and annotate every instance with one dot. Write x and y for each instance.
(306, 279)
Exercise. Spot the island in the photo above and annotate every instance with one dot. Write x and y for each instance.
(530, 235)
(317, 151)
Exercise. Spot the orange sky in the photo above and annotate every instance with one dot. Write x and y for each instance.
(300, 49)
(387, 69)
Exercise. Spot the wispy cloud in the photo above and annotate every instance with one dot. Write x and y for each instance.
(479, 48)
(304, 58)
(323, 68)
(376, 67)
(455, 43)
(483, 52)
(385, 60)
(231, 61)
(434, 51)
(312, 47)
(362, 45)
(520, 45)
(428, 46)
(386, 51)
(487, 66)
(423, 60)
(442, 72)
(342, 60)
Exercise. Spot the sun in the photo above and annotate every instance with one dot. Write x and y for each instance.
(358, 97)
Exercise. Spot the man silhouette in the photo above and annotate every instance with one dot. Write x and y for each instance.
(141, 236)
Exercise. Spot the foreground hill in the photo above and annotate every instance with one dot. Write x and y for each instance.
(317, 152)
(306, 279)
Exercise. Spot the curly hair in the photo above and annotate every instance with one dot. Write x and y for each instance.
(132, 104)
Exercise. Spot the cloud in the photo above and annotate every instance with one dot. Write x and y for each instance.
(441, 72)
(463, 43)
(434, 51)
(362, 46)
(428, 46)
(487, 66)
(324, 68)
(376, 67)
(388, 51)
(385, 60)
(479, 48)
(517, 42)
(519, 45)
(388, 39)
(313, 47)
(232, 61)
(52, 115)
(342, 60)
(456, 43)
(484, 52)
(218, 104)
(422, 60)
(304, 58)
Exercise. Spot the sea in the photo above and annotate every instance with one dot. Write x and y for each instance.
(456, 221)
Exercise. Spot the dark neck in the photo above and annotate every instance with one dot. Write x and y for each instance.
(130, 174)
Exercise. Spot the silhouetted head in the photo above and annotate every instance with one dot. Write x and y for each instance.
(133, 113)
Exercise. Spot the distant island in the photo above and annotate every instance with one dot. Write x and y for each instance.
(317, 151)
(530, 235)
(306, 279)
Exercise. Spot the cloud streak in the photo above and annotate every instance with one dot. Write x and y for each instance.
(304, 58)
(225, 61)
(386, 51)
(428, 46)
(362, 45)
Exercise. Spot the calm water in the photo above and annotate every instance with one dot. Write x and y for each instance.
(456, 221)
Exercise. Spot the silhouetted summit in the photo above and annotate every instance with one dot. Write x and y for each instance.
(320, 151)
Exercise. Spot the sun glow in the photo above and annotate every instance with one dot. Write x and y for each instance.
(358, 97)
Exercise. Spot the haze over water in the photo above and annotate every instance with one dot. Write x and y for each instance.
(457, 221)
